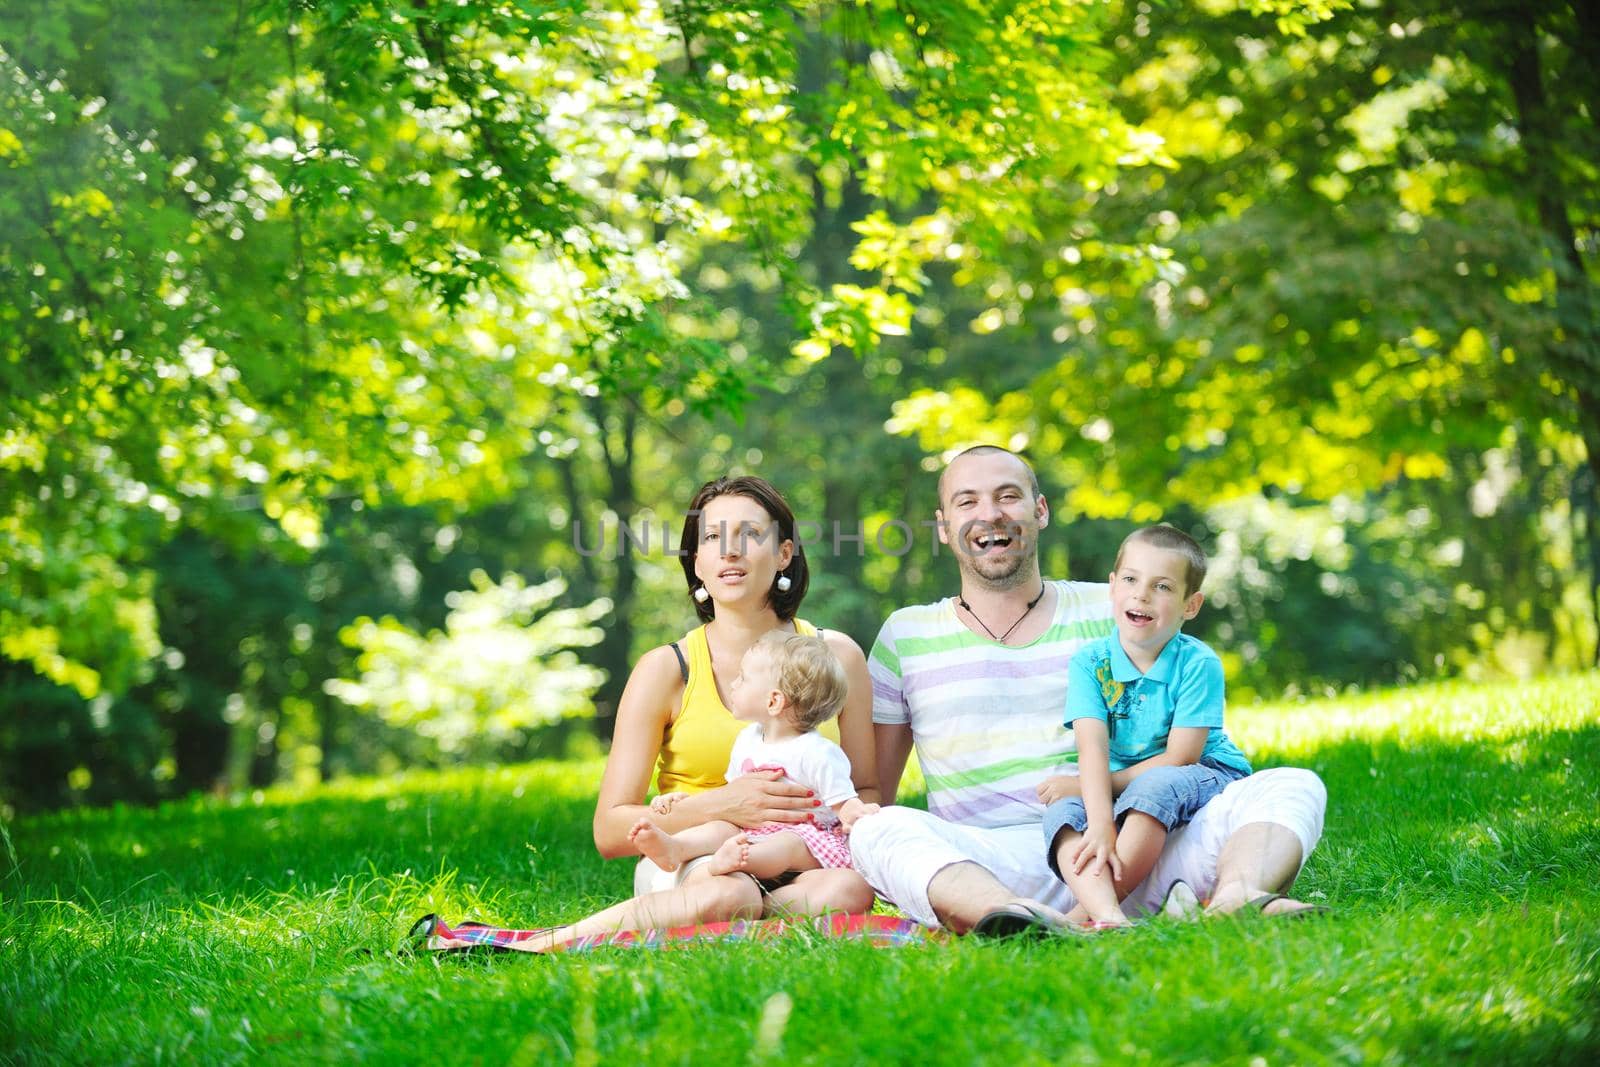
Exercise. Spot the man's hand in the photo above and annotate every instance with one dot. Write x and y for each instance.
(852, 810)
(760, 797)
(662, 804)
(1094, 850)
(1058, 786)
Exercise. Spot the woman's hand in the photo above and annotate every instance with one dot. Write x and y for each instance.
(761, 797)
(1059, 786)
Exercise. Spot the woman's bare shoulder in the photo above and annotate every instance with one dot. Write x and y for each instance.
(844, 646)
(660, 667)
(651, 697)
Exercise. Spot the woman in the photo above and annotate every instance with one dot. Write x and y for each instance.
(747, 574)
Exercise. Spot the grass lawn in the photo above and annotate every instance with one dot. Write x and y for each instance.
(1462, 852)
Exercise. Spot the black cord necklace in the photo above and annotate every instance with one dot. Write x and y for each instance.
(1025, 613)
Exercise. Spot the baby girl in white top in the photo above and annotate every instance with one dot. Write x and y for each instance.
(788, 685)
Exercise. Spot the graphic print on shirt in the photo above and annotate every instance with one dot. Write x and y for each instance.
(1110, 689)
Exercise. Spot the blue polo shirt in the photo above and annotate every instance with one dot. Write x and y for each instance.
(1184, 687)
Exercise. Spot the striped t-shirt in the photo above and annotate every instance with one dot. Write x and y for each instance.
(986, 718)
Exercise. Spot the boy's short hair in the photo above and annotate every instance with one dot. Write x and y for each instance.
(1170, 539)
(810, 677)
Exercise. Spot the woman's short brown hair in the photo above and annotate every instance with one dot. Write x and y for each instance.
(785, 602)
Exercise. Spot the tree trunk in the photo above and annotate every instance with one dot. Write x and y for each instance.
(616, 647)
(327, 737)
(838, 429)
(1576, 354)
(263, 768)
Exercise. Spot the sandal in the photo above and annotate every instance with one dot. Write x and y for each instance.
(416, 939)
(467, 937)
(1181, 903)
(1259, 906)
(1015, 920)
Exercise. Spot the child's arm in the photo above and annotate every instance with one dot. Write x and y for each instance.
(851, 810)
(1058, 787)
(1185, 745)
(1098, 845)
(824, 766)
(1085, 700)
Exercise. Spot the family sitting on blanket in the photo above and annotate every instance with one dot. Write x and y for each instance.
(982, 704)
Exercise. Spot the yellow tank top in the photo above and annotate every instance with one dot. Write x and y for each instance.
(694, 752)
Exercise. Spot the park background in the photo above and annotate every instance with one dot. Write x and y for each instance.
(338, 340)
(335, 336)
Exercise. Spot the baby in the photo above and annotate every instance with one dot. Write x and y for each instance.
(788, 685)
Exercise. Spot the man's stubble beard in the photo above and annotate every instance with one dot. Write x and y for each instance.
(1012, 573)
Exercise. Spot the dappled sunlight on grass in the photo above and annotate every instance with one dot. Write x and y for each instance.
(1460, 850)
(496, 823)
(1449, 791)
(1416, 715)
(573, 779)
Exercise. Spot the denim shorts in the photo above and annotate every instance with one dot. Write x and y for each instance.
(1170, 795)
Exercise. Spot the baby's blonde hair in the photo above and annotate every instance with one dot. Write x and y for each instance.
(810, 677)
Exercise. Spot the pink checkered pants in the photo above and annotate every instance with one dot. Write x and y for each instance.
(830, 846)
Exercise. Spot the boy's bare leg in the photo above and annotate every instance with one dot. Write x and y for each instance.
(1096, 893)
(698, 900)
(765, 857)
(671, 851)
(1139, 845)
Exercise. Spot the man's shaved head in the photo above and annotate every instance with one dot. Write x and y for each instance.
(983, 450)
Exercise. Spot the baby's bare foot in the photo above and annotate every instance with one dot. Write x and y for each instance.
(733, 855)
(655, 845)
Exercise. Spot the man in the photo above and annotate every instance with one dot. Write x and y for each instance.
(977, 684)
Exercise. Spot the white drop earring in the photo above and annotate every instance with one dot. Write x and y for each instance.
(784, 584)
(701, 594)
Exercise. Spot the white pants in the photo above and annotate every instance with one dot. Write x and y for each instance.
(900, 850)
(648, 878)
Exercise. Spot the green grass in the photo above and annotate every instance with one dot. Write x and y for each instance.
(1462, 851)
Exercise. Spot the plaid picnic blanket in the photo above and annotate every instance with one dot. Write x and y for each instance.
(432, 934)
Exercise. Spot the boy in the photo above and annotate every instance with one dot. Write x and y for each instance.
(1145, 705)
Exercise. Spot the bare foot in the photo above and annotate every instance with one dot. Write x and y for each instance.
(1275, 906)
(1272, 905)
(732, 856)
(655, 845)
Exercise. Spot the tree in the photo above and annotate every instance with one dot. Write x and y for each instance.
(1379, 271)
(503, 665)
(291, 253)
